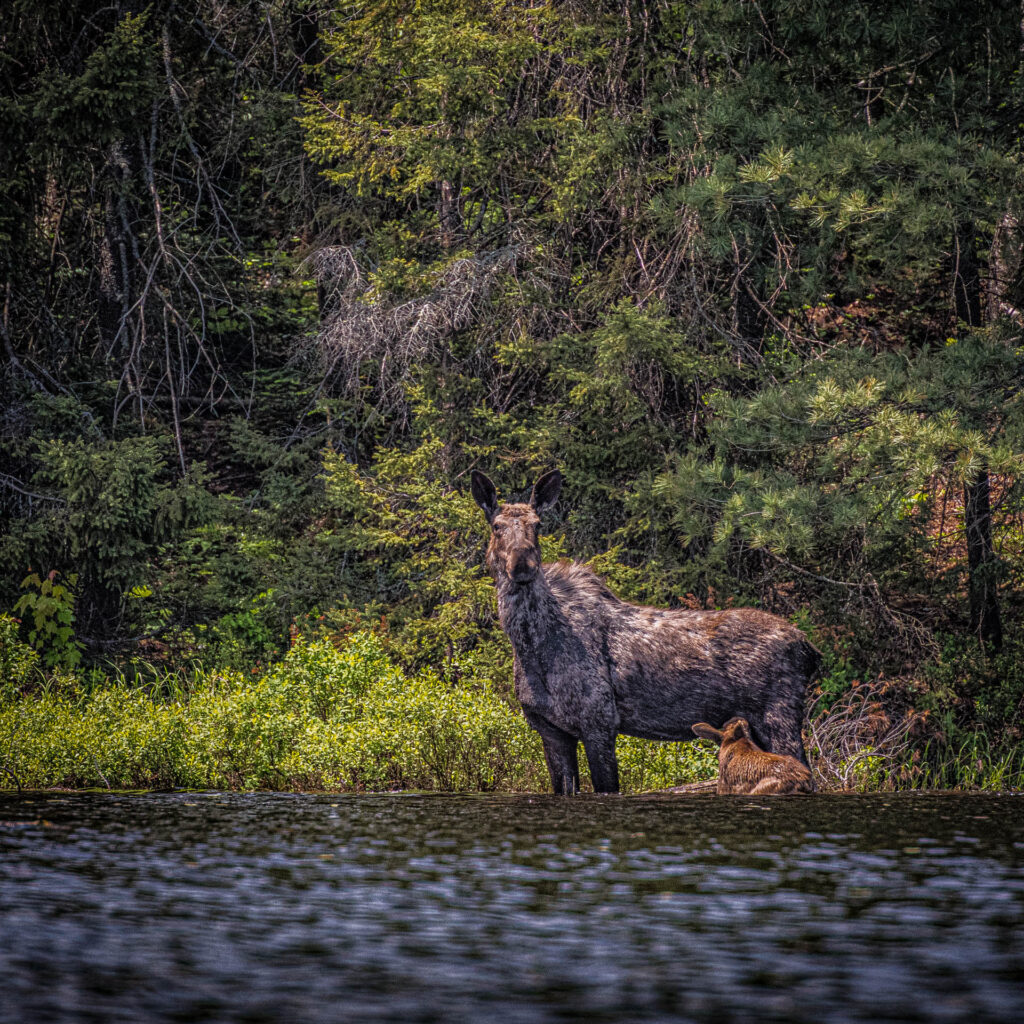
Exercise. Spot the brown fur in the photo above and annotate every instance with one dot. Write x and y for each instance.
(743, 767)
(589, 666)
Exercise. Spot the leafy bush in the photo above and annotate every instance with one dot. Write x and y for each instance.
(645, 765)
(322, 718)
(51, 606)
(17, 660)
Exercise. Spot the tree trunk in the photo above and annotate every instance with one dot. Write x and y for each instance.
(304, 23)
(448, 214)
(748, 311)
(966, 277)
(1005, 281)
(982, 564)
(749, 323)
(114, 299)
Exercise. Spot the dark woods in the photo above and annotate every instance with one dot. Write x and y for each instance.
(274, 278)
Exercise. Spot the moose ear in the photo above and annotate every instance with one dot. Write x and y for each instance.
(707, 732)
(546, 491)
(484, 494)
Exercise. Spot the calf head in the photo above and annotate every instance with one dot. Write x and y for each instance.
(733, 730)
(514, 549)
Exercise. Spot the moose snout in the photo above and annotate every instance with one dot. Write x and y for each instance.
(523, 567)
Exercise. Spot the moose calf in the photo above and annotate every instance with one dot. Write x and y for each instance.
(589, 666)
(743, 767)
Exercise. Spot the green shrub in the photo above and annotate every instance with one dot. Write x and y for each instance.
(646, 765)
(322, 718)
(17, 660)
(51, 606)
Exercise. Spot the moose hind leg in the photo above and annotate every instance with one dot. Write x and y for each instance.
(604, 765)
(560, 753)
(782, 733)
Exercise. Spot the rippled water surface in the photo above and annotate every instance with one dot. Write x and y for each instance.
(223, 907)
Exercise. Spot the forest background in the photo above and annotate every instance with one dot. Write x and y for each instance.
(276, 276)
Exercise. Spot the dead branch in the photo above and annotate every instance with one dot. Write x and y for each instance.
(857, 736)
(361, 328)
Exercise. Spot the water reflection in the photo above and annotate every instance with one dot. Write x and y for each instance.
(425, 908)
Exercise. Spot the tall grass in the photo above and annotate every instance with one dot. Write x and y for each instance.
(969, 761)
(856, 744)
(322, 718)
(349, 719)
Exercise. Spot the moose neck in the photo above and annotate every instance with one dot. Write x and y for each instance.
(526, 611)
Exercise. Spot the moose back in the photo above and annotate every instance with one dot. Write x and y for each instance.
(589, 666)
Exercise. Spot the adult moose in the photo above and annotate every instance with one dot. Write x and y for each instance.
(589, 666)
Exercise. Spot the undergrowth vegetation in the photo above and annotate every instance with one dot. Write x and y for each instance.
(343, 716)
(321, 718)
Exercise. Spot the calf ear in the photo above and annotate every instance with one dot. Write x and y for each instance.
(707, 732)
(737, 729)
(546, 491)
(484, 494)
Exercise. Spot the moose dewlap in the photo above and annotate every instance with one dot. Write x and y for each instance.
(589, 666)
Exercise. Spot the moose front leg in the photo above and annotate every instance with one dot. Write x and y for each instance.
(560, 752)
(603, 762)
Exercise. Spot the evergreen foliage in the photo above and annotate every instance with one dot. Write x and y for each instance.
(275, 278)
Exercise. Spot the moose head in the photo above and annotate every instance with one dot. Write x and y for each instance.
(514, 551)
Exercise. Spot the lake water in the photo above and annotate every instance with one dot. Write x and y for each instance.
(264, 907)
